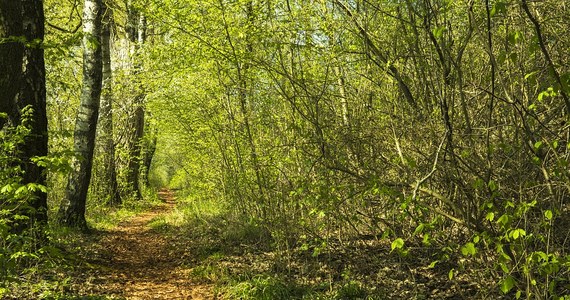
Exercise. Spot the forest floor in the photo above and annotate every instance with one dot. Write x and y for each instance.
(133, 261)
(181, 250)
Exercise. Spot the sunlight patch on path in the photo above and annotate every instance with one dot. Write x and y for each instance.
(144, 264)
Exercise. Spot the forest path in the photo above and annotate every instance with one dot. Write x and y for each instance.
(137, 262)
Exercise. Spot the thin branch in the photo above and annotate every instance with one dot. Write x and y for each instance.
(433, 168)
(547, 55)
(65, 30)
(391, 70)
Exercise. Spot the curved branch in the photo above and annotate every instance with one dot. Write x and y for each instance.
(547, 55)
(391, 70)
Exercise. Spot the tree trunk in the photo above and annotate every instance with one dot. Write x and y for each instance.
(148, 154)
(137, 36)
(136, 125)
(72, 210)
(11, 53)
(33, 95)
(22, 85)
(109, 180)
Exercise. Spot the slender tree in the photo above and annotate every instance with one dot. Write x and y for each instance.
(136, 35)
(109, 181)
(72, 210)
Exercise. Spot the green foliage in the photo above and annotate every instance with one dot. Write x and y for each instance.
(286, 127)
(265, 288)
(23, 248)
(301, 129)
(351, 290)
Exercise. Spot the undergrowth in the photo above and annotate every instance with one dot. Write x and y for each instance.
(241, 258)
(48, 272)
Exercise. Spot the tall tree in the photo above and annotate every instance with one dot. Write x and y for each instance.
(12, 53)
(72, 210)
(109, 180)
(136, 34)
(22, 83)
(33, 95)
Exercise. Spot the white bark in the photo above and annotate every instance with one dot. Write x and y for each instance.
(72, 210)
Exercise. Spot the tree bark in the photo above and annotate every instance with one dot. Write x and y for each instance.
(148, 155)
(72, 210)
(137, 36)
(109, 180)
(33, 95)
(11, 53)
(22, 85)
(136, 128)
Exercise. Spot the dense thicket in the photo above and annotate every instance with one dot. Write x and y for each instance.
(434, 122)
(439, 125)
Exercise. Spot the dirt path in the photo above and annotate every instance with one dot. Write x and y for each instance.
(139, 263)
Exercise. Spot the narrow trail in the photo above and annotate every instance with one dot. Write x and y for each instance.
(140, 263)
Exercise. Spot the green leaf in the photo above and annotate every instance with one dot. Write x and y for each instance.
(425, 240)
(490, 216)
(419, 229)
(507, 284)
(514, 38)
(438, 32)
(468, 249)
(21, 190)
(432, 264)
(548, 214)
(504, 266)
(539, 256)
(499, 7)
(516, 233)
(527, 76)
(492, 185)
(532, 107)
(450, 274)
(504, 220)
(397, 244)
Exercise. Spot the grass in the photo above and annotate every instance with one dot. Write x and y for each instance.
(49, 275)
(265, 287)
(102, 217)
(238, 255)
(242, 259)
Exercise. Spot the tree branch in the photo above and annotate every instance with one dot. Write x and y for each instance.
(547, 55)
(65, 30)
(391, 70)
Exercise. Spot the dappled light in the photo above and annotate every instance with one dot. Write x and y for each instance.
(284, 149)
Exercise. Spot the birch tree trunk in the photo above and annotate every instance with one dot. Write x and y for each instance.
(72, 210)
